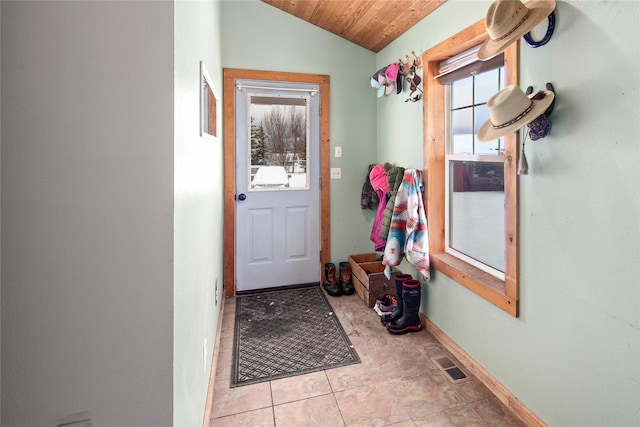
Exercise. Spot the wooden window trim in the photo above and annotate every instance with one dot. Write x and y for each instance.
(502, 293)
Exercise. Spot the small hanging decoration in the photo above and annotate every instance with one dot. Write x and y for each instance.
(523, 165)
(541, 126)
(538, 128)
(412, 77)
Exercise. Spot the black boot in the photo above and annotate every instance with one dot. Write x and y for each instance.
(397, 313)
(331, 285)
(410, 320)
(345, 279)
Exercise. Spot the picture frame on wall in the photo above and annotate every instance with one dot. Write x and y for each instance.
(208, 106)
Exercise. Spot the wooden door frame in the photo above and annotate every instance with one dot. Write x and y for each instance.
(229, 101)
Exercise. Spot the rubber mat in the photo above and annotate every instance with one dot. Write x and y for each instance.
(283, 333)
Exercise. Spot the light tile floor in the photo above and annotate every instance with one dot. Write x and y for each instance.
(396, 384)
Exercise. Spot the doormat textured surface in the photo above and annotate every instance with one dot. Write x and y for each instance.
(283, 333)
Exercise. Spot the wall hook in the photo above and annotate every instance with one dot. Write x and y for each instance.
(549, 87)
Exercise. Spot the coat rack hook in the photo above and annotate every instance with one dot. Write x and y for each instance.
(549, 87)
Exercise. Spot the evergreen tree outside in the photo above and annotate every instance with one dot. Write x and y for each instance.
(259, 144)
(278, 135)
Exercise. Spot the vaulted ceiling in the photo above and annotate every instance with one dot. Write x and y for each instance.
(372, 24)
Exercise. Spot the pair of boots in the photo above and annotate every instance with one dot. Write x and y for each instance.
(406, 316)
(338, 286)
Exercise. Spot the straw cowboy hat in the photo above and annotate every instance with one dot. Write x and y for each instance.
(510, 109)
(508, 20)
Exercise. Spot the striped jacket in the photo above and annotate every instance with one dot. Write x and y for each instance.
(408, 234)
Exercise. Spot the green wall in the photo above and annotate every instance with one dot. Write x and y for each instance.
(198, 222)
(572, 355)
(87, 212)
(257, 36)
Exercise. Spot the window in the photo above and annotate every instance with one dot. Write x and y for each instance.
(474, 175)
(278, 144)
(472, 186)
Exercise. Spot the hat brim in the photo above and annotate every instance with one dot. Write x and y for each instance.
(540, 10)
(378, 87)
(488, 133)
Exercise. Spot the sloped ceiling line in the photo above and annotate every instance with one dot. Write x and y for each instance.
(372, 24)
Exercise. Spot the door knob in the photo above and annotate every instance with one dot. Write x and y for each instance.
(242, 196)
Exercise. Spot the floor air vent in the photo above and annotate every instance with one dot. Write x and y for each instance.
(453, 372)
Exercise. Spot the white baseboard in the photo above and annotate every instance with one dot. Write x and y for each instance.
(212, 378)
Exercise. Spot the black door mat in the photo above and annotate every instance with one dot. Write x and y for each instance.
(284, 333)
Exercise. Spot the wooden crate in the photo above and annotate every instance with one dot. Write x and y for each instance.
(369, 281)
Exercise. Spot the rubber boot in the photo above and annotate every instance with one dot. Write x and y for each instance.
(330, 284)
(345, 279)
(410, 320)
(397, 313)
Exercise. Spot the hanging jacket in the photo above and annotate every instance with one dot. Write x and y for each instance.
(378, 178)
(408, 235)
(378, 242)
(369, 198)
(394, 179)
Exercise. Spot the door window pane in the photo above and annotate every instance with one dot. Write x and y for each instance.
(278, 143)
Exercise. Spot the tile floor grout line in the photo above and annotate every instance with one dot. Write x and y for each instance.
(375, 347)
(344, 423)
(273, 406)
(477, 413)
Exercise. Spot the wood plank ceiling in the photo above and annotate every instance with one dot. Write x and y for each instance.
(372, 24)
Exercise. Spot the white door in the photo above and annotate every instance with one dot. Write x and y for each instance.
(277, 184)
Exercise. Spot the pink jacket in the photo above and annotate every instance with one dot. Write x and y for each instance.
(379, 179)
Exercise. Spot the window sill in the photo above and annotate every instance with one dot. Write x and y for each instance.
(481, 283)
